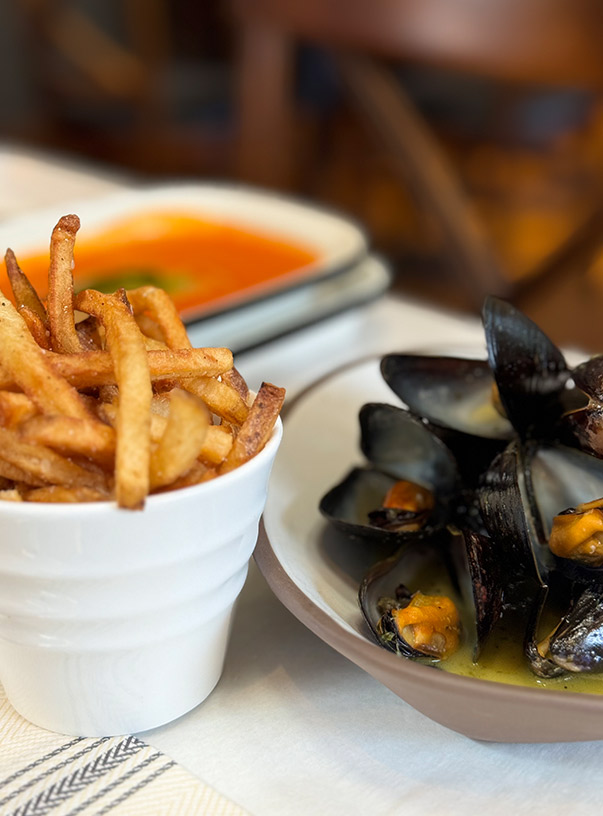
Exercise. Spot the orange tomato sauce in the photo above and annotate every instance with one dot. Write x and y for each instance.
(199, 262)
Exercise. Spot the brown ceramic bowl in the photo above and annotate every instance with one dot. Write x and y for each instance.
(316, 576)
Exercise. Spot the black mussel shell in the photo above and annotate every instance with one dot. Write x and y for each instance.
(538, 658)
(586, 428)
(398, 443)
(349, 505)
(588, 377)
(463, 566)
(398, 446)
(506, 510)
(450, 392)
(576, 643)
(530, 371)
(400, 574)
(560, 478)
(585, 422)
(486, 582)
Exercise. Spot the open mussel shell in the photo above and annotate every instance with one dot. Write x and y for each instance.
(406, 569)
(399, 447)
(349, 504)
(456, 397)
(585, 422)
(559, 478)
(530, 371)
(397, 442)
(585, 427)
(524, 489)
(455, 564)
(577, 643)
(588, 377)
(450, 392)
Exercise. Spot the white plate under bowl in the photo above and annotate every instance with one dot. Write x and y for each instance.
(318, 581)
(337, 241)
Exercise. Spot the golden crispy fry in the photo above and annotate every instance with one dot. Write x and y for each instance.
(108, 411)
(11, 473)
(70, 436)
(10, 494)
(89, 369)
(60, 494)
(36, 327)
(149, 328)
(153, 345)
(180, 444)
(126, 347)
(162, 310)
(15, 408)
(236, 381)
(195, 475)
(63, 336)
(161, 404)
(23, 361)
(220, 398)
(40, 464)
(24, 293)
(216, 446)
(256, 429)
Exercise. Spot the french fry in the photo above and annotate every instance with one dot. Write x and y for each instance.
(180, 444)
(88, 369)
(221, 398)
(256, 429)
(10, 494)
(195, 475)
(149, 328)
(234, 378)
(15, 408)
(216, 446)
(43, 464)
(13, 474)
(126, 347)
(23, 361)
(162, 310)
(64, 495)
(72, 437)
(63, 336)
(36, 327)
(23, 292)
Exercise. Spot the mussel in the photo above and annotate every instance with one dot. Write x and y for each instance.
(481, 478)
(431, 595)
(406, 489)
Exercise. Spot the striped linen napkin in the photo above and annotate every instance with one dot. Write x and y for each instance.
(45, 773)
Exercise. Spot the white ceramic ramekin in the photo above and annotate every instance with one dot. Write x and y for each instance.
(115, 621)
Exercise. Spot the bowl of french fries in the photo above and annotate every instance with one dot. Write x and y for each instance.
(133, 474)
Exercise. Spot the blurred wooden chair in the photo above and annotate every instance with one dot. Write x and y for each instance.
(106, 81)
(526, 42)
(75, 56)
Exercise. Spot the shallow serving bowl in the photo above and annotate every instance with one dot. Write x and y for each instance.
(316, 573)
(334, 242)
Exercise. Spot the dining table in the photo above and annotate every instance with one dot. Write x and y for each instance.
(293, 728)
